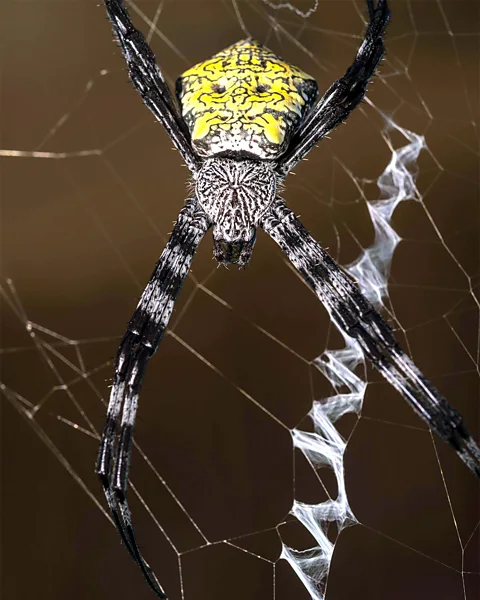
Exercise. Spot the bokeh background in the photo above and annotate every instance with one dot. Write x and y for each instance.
(90, 188)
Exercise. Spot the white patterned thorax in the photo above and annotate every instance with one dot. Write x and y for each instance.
(235, 194)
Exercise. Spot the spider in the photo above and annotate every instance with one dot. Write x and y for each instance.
(243, 120)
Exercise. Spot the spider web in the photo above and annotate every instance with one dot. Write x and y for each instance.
(261, 436)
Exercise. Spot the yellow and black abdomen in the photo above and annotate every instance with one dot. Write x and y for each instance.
(244, 100)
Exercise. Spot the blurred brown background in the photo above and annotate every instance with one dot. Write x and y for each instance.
(81, 230)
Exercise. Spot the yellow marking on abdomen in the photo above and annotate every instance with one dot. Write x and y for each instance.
(244, 99)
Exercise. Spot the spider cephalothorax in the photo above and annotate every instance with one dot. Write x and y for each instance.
(235, 194)
(245, 119)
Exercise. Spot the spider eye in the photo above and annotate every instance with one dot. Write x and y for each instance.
(262, 87)
(217, 88)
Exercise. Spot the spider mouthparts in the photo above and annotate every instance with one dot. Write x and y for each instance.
(237, 253)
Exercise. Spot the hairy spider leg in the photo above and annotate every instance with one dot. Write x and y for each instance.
(144, 333)
(149, 81)
(354, 315)
(345, 94)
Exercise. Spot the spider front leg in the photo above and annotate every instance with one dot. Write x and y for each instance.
(144, 333)
(354, 315)
(345, 94)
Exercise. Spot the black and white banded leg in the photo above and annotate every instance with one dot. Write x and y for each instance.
(144, 333)
(353, 314)
(344, 95)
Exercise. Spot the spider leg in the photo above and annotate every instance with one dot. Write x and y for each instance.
(149, 81)
(353, 314)
(144, 333)
(344, 95)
